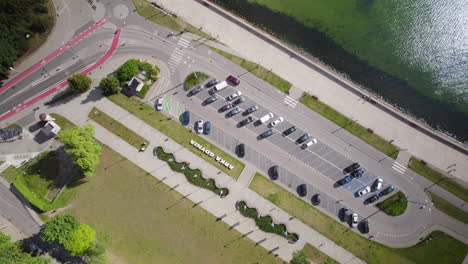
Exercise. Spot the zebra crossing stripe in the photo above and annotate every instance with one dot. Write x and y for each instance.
(398, 167)
(290, 101)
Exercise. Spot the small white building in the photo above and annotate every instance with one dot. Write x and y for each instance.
(51, 128)
(136, 84)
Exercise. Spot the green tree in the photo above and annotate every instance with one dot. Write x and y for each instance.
(12, 253)
(299, 257)
(60, 229)
(80, 143)
(110, 85)
(127, 70)
(81, 240)
(79, 83)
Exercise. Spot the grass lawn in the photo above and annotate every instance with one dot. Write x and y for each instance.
(62, 121)
(352, 127)
(394, 205)
(317, 256)
(257, 70)
(146, 222)
(194, 79)
(153, 14)
(13, 125)
(174, 130)
(449, 208)
(117, 128)
(438, 178)
(441, 249)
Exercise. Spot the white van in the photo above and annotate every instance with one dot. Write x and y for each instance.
(220, 86)
(266, 118)
(310, 143)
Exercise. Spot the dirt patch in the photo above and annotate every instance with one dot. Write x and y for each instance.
(114, 258)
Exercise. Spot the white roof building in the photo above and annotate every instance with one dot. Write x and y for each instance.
(51, 128)
(135, 84)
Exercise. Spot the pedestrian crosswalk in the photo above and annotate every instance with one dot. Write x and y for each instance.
(290, 101)
(398, 167)
(178, 54)
(4, 165)
(183, 42)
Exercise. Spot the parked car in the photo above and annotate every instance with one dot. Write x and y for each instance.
(226, 107)
(233, 80)
(378, 184)
(387, 191)
(185, 118)
(354, 220)
(345, 180)
(358, 173)
(267, 133)
(303, 138)
(274, 173)
(265, 118)
(302, 190)
(289, 131)
(210, 99)
(199, 126)
(245, 121)
(211, 83)
(195, 90)
(233, 112)
(310, 143)
(207, 128)
(250, 110)
(241, 150)
(365, 227)
(159, 103)
(239, 101)
(343, 214)
(363, 191)
(372, 199)
(351, 167)
(276, 122)
(234, 95)
(218, 87)
(316, 199)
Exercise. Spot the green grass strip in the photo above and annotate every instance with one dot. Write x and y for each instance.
(394, 205)
(441, 248)
(438, 178)
(352, 127)
(317, 256)
(174, 130)
(62, 121)
(194, 79)
(117, 128)
(257, 70)
(449, 208)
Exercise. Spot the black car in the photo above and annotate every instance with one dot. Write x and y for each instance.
(233, 112)
(185, 118)
(302, 139)
(364, 227)
(195, 90)
(240, 100)
(267, 133)
(372, 199)
(316, 199)
(211, 83)
(289, 131)
(226, 107)
(302, 190)
(387, 191)
(351, 167)
(345, 180)
(207, 128)
(250, 110)
(274, 173)
(245, 121)
(241, 150)
(210, 99)
(358, 173)
(343, 214)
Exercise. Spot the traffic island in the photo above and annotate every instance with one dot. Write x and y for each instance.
(194, 79)
(395, 205)
(194, 176)
(265, 223)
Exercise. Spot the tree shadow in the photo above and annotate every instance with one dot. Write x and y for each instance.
(54, 249)
(95, 95)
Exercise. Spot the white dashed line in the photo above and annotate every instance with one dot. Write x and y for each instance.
(398, 167)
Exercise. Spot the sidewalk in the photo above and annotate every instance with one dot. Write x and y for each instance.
(332, 91)
(224, 208)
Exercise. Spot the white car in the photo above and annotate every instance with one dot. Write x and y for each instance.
(354, 220)
(276, 122)
(378, 184)
(159, 103)
(265, 118)
(234, 95)
(199, 126)
(310, 143)
(363, 191)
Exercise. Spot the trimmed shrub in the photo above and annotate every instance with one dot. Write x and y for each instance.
(143, 91)
(32, 198)
(79, 83)
(127, 70)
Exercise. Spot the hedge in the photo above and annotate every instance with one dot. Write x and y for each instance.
(265, 223)
(30, 196)
(194, 176)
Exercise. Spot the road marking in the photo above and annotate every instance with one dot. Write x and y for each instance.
(183, 42)
(398, 167)
(290, 101)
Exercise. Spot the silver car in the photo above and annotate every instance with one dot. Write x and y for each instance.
(159, 103)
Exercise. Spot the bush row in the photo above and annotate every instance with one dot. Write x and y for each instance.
(32, 198)
(265, 223)
(194, 176)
